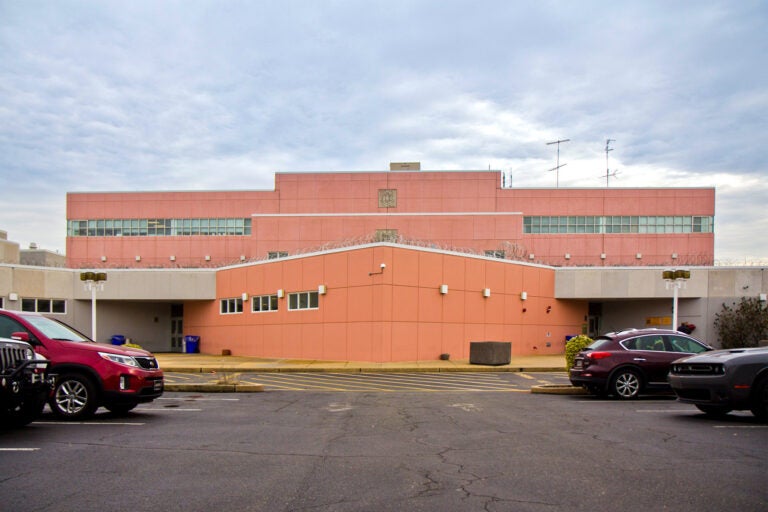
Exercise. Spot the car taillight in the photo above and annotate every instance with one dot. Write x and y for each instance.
(598, 355)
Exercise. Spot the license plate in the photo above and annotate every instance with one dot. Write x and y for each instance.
(578, 364)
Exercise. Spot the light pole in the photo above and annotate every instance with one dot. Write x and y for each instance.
(92, 281)
(676, 279)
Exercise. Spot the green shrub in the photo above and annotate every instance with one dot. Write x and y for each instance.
(743, 324)
(573, 347)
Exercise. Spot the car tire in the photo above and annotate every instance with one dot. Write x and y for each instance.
(74, 397)
(25, 413)
(715, 411)
(120, 409)
(626, 384)
(760, 400)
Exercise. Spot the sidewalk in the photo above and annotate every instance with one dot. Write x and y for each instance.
(202, 363)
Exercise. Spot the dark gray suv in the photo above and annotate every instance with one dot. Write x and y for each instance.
(721, 381)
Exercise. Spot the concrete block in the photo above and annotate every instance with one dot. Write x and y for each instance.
(493, 353)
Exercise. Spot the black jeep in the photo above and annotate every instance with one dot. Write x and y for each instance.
(24, 383)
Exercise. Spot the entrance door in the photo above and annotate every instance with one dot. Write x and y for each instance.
(177, 327)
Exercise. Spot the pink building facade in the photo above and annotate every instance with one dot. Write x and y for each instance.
(469, 211)
(385, 266)
(383, 302)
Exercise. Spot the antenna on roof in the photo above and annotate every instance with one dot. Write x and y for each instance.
(558, 166)
(608, 172)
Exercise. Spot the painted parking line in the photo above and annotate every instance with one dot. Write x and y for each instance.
(91, 423)
(19, 449)
(384, 382)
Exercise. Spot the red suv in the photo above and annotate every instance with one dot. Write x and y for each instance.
(89, 374)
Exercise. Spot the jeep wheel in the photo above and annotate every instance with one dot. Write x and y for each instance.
(24, 413)
(760, 400)
(74, 397)
(626, 384)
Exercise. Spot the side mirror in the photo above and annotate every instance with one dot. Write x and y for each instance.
(20, 336)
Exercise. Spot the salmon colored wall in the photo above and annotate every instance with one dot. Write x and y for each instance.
(472, 211)
(395, 315)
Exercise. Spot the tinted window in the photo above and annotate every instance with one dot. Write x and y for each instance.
(683, 344)
(649, 342)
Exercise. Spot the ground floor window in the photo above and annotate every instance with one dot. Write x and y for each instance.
(231, 306)
(55, 306)
(264, 303)
(302, 300)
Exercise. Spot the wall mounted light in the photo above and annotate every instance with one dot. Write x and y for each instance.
(382, 267)
(443, 289)
(486, 292)
(172, 257)
(138, 258)
(674, 255)
(321, 289)
(639, 256)
(245, 297)
(13, 296)
(531, 256)
(207, 257)
(523, 295)
(280, 293)
(567, 255)
(603, 256)
(242, 257)
(763, 297)
(103, 258)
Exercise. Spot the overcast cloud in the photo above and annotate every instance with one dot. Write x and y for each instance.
(182, 95)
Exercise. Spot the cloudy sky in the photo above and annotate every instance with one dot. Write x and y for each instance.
(187, 95)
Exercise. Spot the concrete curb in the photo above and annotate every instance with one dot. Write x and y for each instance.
(558, 389)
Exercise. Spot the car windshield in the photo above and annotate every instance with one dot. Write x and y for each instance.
(55, 329)
(598, 343)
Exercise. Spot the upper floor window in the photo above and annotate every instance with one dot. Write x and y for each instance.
(273, 255)
(575, 224)
(231, 306)
(302, 300)
(495, 254)
(159, 227)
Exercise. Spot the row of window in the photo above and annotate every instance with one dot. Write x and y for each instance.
(263, 303)
(56, 306)
(158, 227)
(617, 224)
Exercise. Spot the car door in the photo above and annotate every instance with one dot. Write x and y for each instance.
(650, 353)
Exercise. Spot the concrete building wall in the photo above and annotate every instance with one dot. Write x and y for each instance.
(398, 314)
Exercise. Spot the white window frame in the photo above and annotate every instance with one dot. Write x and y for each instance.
(231, 306)
(270, 300)
(295, 301)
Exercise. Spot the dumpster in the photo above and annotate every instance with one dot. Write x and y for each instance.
(118, 339)
(191, 344)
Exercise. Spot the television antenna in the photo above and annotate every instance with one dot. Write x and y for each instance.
(557, 166)
(608, 172)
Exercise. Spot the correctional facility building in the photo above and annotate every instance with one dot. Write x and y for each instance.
(397, 265)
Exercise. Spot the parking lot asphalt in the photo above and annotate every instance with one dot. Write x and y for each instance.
(205, 363)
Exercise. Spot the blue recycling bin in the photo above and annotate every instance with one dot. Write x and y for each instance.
(118, 339)
(191, 344)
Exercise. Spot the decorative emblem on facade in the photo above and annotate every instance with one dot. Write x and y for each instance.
(387, 198)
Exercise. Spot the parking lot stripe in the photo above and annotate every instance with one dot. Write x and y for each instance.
(99, 423)
(19, 449)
